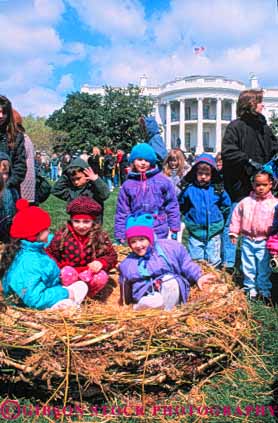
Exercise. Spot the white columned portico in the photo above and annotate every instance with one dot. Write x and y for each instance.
(233, 109)
(218, 125)
(159, 120)
(199, 146)
(168, 125)
(182, 117)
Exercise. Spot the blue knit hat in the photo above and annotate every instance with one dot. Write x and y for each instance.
(141, 225)
(143, 151)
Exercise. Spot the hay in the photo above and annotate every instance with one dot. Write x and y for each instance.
(110, 347)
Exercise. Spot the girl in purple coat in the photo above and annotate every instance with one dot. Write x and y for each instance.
(158, 272)
(147, 190)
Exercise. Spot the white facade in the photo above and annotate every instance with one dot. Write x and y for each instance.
(197, 109)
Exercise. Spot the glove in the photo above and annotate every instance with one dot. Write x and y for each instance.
(174, 236)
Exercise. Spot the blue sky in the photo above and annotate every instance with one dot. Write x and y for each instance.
(50, 48)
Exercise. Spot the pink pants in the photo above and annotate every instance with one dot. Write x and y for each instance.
(95, 281)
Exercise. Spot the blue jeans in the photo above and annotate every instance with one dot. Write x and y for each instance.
(255, 266)
(54, 173)
(228, 250)
(108, 181)
(205, 250)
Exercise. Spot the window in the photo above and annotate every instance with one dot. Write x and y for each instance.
(187, 141)
(206, 141)
(187, 113)
(206, 111)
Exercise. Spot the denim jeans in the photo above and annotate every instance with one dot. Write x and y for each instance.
(54, 173)
(228, 250)
(205, 250)
(255, 266)
(108, 181)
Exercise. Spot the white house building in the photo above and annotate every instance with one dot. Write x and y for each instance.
(197, 109)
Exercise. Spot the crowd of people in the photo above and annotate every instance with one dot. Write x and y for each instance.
(219, 200)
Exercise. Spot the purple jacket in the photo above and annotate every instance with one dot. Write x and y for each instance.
(137, 275)
(153, 194)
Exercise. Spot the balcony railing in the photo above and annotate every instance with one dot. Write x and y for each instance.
(209, 116)
(227, 116)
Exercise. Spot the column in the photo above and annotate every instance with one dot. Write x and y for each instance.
(168, 125)
(200, 146)
(218, 125)
(159, 120)
(182, 117)
(234, 109)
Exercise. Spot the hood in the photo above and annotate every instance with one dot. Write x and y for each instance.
(4, 156)
(151, 126)
(77, 163)
(208, 159)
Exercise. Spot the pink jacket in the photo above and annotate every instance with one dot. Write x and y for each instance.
(253, 217)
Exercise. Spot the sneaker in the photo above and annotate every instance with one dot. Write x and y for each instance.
(252, 294)
(149, 301)
(80, 290)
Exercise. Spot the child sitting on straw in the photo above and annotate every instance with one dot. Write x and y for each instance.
(147, 190)
(158, 272)
(82, 249)
(27, 271)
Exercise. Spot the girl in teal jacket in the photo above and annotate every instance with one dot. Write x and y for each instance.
(27, 271)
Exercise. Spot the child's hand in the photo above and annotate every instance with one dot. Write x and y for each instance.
(233, 239)
(95, 266)
(90, 174)
(205, 279)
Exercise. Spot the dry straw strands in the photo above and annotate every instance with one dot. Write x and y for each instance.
(111, 347)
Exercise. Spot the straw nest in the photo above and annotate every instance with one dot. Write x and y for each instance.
(111, 348)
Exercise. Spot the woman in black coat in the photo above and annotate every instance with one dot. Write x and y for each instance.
(248, 144)
(12, 143)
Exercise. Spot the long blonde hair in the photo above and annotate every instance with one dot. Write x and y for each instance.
(177, 154)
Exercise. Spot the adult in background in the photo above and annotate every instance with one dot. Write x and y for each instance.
(248, 143)
(95, 161)
(27, 187)
(12, 143)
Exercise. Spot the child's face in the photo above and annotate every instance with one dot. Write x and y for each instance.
(79, 179)
(203, 174)
(43, 235)
(82, 226)
(139, 245)
(141, 165)
(173, 163)
(219, 164)
(262, 185)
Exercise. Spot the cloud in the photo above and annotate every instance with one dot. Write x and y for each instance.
(113, 18)
(38, 101)
(48, 11)
(66, 83)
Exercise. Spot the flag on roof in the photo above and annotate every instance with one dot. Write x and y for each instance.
(198, 50)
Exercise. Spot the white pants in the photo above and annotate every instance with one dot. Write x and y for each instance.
(167, 298)
(79, 289)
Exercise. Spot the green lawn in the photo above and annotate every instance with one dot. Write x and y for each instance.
(251, 383)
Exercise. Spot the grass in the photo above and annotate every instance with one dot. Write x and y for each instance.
(248, 383)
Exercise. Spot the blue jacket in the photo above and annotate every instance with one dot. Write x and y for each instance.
(154, 194)
(205, 210)
(7, 211)
(34, 277)
(138, 275)
(154, 138)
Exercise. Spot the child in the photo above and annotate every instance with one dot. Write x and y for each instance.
(151, 134)
(176, 167)
(27, 271)
(7, 210)
(205, 205)
(79, 179)
(82, 249)
(147, 190)
(158, 273)
(252, 218)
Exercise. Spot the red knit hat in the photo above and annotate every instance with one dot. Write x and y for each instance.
(29, 221)
(84, 207)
